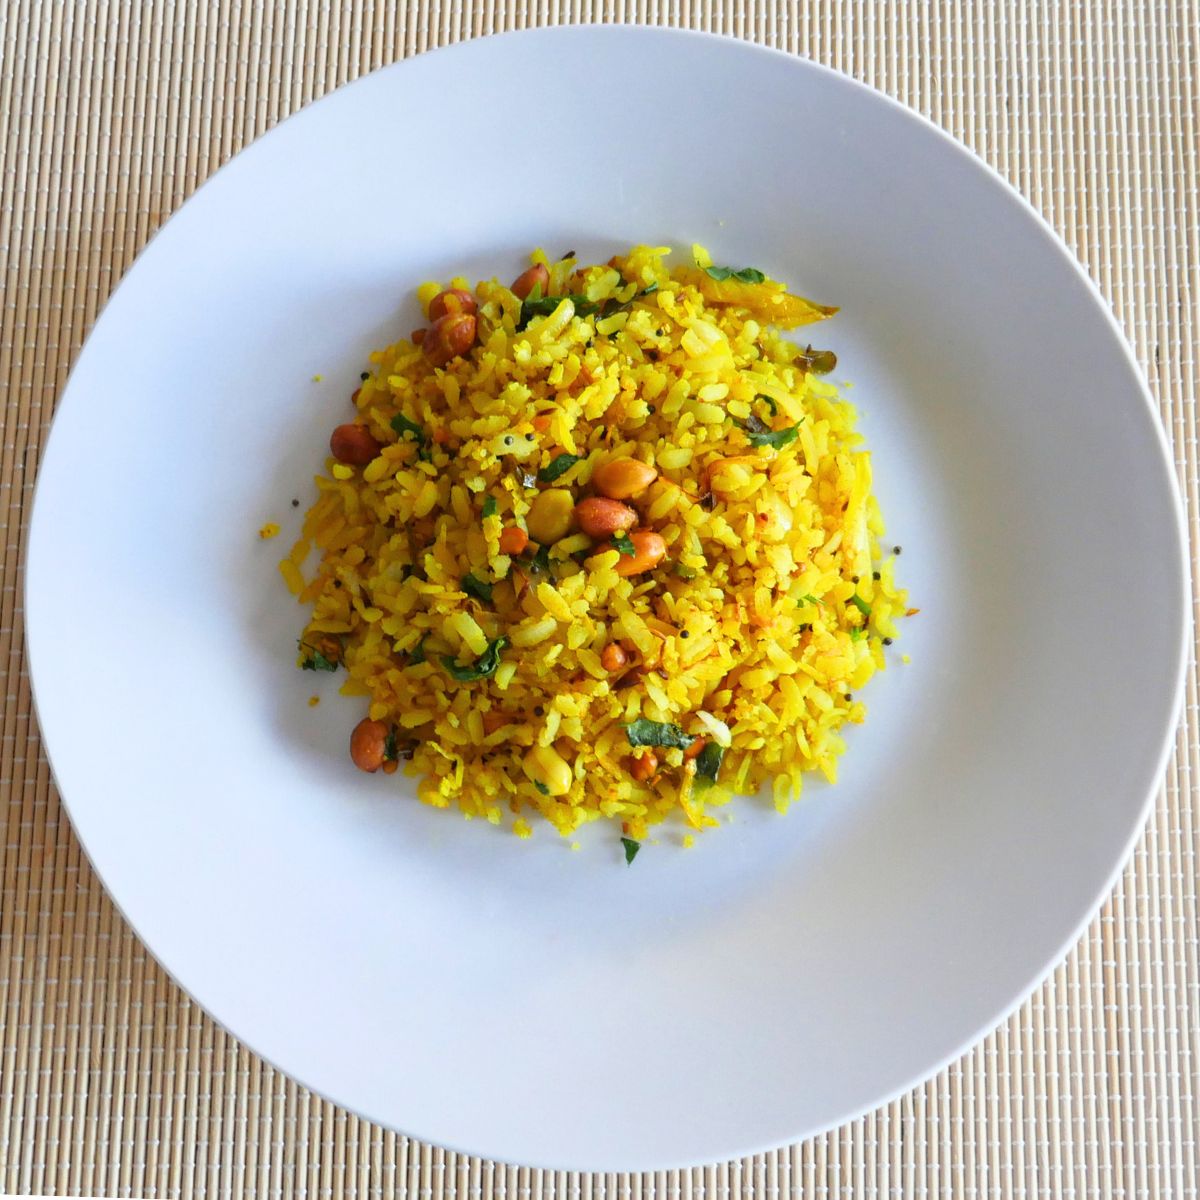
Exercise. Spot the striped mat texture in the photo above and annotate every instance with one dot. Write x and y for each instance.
(112, 1082)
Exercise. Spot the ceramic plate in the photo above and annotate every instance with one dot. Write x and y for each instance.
(517, 999)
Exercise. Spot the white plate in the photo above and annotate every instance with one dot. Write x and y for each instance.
(516, 999)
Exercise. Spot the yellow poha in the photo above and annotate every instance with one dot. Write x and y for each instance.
(601, 544)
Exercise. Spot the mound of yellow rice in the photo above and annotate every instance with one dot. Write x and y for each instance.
(756, 632)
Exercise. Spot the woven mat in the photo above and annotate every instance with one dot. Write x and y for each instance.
(112, 1082)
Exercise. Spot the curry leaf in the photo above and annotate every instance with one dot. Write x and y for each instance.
(316, 661)
(624, 543)
(402, 425)
(644, 732)
(542, 306)
(476, 587)
(417, 653)
(484, 667)
(775, 438)
(631, 849)
(490, 507)
(708, 764)
(557, 467)
(745, 275)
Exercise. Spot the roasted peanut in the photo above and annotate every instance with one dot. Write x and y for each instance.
(528, 280)
(549, 516)
(417, 336)
(600, 517)
(353, 445)
(513, 540)
(613, 657)
(367, 744)
(623, 478)
(545, 766)
(648, 551)
(452, 300)
(643, 766)
(448, 337)
(693, 751)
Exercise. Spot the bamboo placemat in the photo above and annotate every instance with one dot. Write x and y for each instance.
(112, 1082)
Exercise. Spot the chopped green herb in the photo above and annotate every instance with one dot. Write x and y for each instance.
(484, 667)
(624, 543)
(316, 661)
(541, 787)
(417, 653)
(389, 746)
(708, 764)
(476, 587)
(631, 849)
(857, 634)
(558, 466)
(745, 275)
(644, 732)
(542, 306)
(402, 426)
(809, 598)
(490, 507)
(775, 438)
(862, 606)
(611, 305)
(685, 572)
